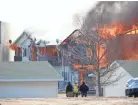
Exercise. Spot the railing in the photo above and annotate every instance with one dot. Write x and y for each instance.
(17, 58)
(54, 60)
(42, 58)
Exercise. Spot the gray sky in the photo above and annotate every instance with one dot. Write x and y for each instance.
(51, 18)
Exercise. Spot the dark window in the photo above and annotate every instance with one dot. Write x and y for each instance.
(65, 76)
(25, 51)
(19, 51)
(68, 75)
(62, 74)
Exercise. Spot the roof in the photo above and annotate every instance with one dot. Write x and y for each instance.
(53, 42)
(72, 35)
(131, 66)
(42, 43)
(21, 36)
(28, 71)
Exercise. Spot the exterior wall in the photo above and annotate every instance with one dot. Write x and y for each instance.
(70, 76)
(117, 88)
(25, 59)
(4, 42)
(25, 45)
(28, 89)
(8, 32)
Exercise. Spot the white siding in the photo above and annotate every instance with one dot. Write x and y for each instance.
(25, 59)
(117, 88)
(8, 31)
(24, 43)
(28, 89)
(68, 73)
(4, 55)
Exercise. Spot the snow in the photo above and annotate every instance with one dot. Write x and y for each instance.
(63, 100)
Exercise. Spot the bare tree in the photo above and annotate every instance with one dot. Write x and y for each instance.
(101, 52)
(96, 57)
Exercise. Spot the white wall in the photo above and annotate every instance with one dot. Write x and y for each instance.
(8, 32)
(72, 77)
(4, 42)
(117, 88)
(25, 44)
(28, 89)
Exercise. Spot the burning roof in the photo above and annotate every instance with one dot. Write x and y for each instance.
(117, 23)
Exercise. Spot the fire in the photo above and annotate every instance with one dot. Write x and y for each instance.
(127, 45)
(111, 31)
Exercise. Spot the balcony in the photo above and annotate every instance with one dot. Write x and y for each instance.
(17, 58)
(42, 58)
(53, 60)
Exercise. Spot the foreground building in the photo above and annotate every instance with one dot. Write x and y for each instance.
(28, 80)
(128, 69)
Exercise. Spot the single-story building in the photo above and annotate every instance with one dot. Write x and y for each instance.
(28, 80)
(128, 69)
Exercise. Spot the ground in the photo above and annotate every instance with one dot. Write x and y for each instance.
(62, 100)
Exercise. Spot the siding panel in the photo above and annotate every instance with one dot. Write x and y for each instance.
(28, 89)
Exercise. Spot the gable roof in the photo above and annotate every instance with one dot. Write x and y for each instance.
(21, 36)
(42, 43)
(74, 34)
(53, 43)
(131, 66)
(28, 71)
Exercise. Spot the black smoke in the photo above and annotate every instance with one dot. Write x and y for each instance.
(110, 12)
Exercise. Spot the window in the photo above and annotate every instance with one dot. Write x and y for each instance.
(25, 52)
(62, 74)
(68, 75)
(89, 52)
(65, 77)
(18, 52)
(136, 81)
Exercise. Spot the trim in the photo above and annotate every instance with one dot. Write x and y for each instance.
(30, 80)
(70, 35)
(16, 41)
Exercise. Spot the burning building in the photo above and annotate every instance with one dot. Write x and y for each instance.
(116, 24)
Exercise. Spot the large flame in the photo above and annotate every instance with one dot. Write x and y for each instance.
(127, 44)
(111, 31)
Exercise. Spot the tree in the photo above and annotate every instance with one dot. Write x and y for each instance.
(96, 59)
(101, 46)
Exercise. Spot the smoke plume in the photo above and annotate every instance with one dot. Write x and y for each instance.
(110, 12)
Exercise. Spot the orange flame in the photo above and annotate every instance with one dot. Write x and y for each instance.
(111, 31)
(128, 44)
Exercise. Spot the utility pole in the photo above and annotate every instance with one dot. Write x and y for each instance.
(63, 64)
(57, 48)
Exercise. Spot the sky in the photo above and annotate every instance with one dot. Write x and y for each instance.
(49, 19)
